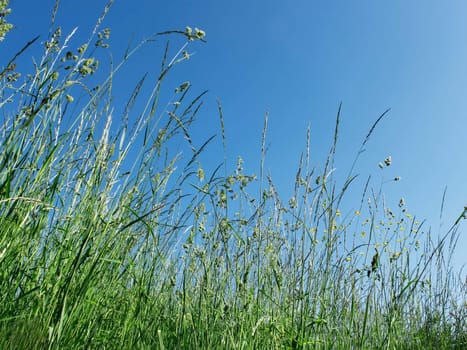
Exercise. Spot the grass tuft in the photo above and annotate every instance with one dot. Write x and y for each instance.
(110, 238)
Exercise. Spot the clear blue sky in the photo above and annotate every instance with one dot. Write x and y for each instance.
(298, 60)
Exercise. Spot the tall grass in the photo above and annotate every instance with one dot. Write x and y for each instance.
(109, 238)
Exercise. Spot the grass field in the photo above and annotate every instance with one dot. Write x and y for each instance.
(109, 240)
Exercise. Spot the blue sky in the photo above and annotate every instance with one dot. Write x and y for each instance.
(298, 60)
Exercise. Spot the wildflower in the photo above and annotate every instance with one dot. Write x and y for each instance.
(89, 66)
(4, 26)
(13, 77)
(82, 48)
(394, 256)
(348, 259)
(104, 34)
(388, 161)
(230, 180)
(222, 202)
(200, 174)
(292, 202)
(199, 34)
(357, 212)
(244, 181)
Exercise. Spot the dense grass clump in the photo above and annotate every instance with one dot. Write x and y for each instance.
(109, 238)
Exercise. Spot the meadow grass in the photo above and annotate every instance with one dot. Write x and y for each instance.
(111, 240)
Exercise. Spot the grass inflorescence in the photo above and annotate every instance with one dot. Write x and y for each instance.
(111, 239)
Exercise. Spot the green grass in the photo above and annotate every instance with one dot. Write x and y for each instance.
(110, 239)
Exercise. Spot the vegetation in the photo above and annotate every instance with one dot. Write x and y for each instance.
(5, 27)
(110, 239)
